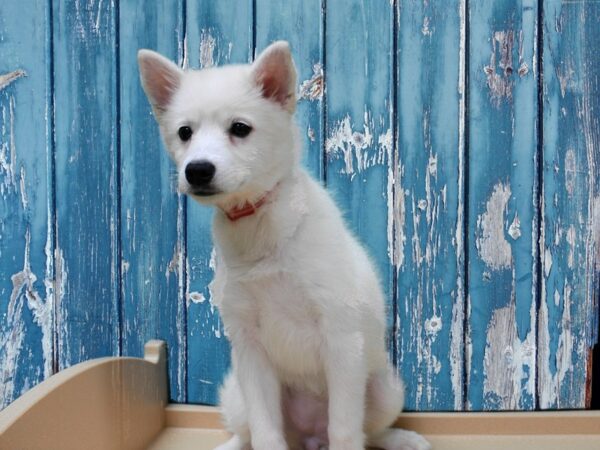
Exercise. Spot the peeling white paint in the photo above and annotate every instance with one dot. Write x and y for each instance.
(354, 146)
(549, 382)
(571, 238)
(565, 79)
(547, 261)
(433, 325)
(570, 171)
(196, 297)
(312, 89)
(24, 201)
(425, 30)
(8, 78)
(13, 333)
(176, 261)
(60, 286)
(207, 49)
(500, 83)
(515, 228)
(506, 359)
(8, 152)
(395, 203)
(491, 243)
(596, 230)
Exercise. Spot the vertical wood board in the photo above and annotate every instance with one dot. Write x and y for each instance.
(503, 211)
(429, 204)
(152, 252)
(87, 189)
(568, 318)
(26, 228)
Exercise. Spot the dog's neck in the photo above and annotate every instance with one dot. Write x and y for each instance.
(265, 227)
(248, 208)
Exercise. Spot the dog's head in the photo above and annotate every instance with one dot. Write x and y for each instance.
(229, 129)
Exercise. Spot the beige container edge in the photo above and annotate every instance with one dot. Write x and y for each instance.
(121, 403)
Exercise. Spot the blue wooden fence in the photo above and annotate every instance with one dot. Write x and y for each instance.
(460, 138)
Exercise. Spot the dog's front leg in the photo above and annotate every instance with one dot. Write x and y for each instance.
(262, 394)
(346, 372)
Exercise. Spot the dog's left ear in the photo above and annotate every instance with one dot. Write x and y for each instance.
(275, 74)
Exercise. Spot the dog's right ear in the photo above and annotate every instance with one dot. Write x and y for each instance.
(160, 78)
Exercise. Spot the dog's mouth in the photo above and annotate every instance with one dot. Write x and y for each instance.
(204, 192)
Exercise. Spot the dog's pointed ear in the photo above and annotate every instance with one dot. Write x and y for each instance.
(160, 79)
(275, 74)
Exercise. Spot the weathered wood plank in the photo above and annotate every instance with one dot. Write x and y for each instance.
(502, 205)
(301, 24)
(87, 182)
(359, 131)
(429, 203)
(152, 252)
(214, 36)
(571, 201)
(26, 227)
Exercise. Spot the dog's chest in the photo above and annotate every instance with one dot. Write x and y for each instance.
(286, 325)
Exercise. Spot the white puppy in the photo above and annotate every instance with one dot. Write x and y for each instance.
(299, 298)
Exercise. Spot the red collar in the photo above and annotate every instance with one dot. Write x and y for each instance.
(247, 209)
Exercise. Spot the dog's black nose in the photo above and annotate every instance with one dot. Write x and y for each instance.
(199, 173)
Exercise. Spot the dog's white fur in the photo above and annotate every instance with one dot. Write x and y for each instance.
(299, 298)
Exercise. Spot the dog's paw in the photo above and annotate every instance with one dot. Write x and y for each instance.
(396, 439)
(413, 441)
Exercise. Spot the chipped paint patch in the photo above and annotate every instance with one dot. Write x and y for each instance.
(8, 78)
(425, 29)
(570, 171)
(176, 261)
(8, 151)
(433, 325)
(312, 89)
(491, 243)
(353, 146)
(553, 369)
(207, 49)
(500, 81)
(508, 362)
(515, 228)
(196, 297)
(596, 229)
(571, 238)
(13, 333)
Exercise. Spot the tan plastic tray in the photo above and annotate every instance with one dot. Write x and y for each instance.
(121, 403)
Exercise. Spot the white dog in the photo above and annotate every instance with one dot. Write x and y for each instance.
(299, 298)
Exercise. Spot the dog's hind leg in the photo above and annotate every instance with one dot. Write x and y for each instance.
(385, 398)
(235, 416)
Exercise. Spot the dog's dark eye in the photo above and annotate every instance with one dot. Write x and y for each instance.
(185, 133)
(240, 129)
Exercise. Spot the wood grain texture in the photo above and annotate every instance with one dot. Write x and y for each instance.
(86, 179)
(152, 251)
(215, 36)
(502, 206)
(571, 201)
(26, 226)
(429, 203)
